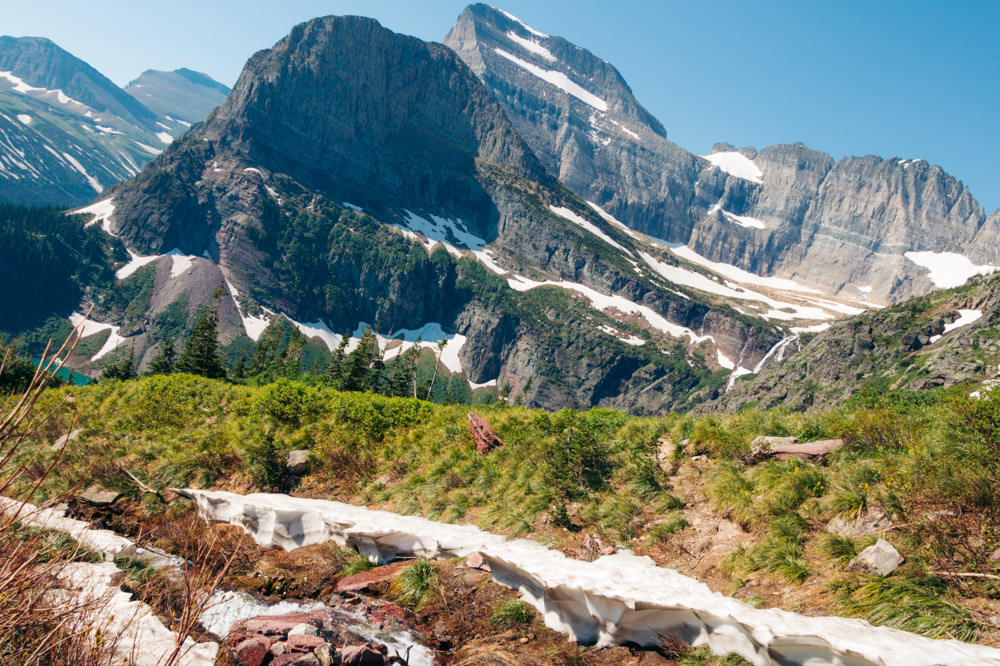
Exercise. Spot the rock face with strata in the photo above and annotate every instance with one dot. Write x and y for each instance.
(841, 226)
(311, 208)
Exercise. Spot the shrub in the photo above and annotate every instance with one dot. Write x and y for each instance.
(510, 614)
(415, 584)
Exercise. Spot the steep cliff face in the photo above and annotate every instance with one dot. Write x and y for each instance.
(843, 227)
(355, 175)
(580, 117)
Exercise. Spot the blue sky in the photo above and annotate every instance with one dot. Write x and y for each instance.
(906, 78)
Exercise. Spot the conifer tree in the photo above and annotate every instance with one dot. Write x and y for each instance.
(166, 357)
(123, 368)
(335, 367)
(201, 350)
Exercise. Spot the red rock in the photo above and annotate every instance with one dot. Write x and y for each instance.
(275, 625)
(483, 435)
(296, 660)
(304, 643)
(252, 651)
(477, 561)
(361, 581)
(365, 654)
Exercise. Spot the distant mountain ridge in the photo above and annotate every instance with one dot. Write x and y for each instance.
(847, 227)
(67, 132)
(182, 95)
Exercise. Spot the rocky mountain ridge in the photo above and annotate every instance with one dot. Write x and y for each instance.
(414, 203)
(861, 227)
(66, 131)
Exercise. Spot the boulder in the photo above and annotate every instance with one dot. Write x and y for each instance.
(812, 451)
(98, 496)
(870, 523)
(594, 547)
(297, 462)
(252, 651)
(68, 437)
(482, 434)
(325, 655)
(365, 654)
(880, 560)
(477, 561)
(304, 642)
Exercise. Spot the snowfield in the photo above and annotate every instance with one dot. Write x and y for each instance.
(737, 164)
(615, 599)
(948, 269)
(559, 80)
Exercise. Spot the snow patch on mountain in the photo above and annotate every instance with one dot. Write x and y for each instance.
(135, 264)
(88, 328)
(102, 212)
(522, 24)
(531, 45)
(604, 302)
(559, 80)
(736, 164)
(948, 269)
(567, 214)
(741, 220)
(965, 317)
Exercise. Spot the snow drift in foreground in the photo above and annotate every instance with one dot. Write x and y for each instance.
(615, 599)
(141, 638)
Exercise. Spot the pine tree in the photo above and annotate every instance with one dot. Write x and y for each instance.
(201, 350)
(123, 368)
(335, 367)
(358, 366)
(163, 362)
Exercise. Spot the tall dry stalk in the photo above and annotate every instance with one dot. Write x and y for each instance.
(38, 623)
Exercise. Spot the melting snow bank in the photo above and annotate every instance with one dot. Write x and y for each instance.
(225, 609)
(615, 599)
(142, 640)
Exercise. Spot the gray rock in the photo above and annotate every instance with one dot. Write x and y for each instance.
(771, 442)
(303, 629)
(880, 559)
(68, 437)
(325, 654)
(297, 462)
(97, 496)
(870, 523)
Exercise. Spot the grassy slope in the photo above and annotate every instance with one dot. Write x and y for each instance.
(563, 474)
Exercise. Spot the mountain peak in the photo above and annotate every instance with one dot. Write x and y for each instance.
(42, 63)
